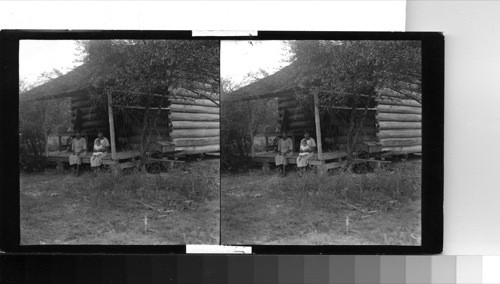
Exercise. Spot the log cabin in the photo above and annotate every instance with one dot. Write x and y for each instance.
(392, 119)
(187, 123)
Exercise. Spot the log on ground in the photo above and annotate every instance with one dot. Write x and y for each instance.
(383, 116)
(193, 133)
(400, 133)
(194, 116)
(177, 124)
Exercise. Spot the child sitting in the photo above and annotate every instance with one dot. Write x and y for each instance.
(98, 148)
(304, 149)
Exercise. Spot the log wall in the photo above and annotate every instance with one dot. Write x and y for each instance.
(87, 118)
(400, 123)
(195, 125)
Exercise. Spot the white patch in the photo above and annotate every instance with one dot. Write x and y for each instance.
(216, 249)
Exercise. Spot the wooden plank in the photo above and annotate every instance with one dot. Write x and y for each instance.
(195, 124)
(398, 142)
(318, 125)
(194, 133)
(400, 133)
(111, 126)
(194, 116)
(399, 125)
(194, 108)
(197, 141)
(399, 109)
(403, 150)
(383, 116)
(204, 148)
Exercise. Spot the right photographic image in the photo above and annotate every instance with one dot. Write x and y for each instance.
(321, 142)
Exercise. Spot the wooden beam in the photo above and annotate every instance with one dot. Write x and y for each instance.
(318, 126)
(111, 126)
(138, 107)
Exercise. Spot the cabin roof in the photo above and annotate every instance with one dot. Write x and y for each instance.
(62, 86)
(271, 86)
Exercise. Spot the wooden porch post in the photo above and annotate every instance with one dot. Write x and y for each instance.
(111, 127)
(318, 125)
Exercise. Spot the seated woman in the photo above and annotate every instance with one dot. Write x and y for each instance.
(101, 145)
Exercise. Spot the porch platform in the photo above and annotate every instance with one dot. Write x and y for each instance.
(329, 160)
(124, 159)
(120, 156)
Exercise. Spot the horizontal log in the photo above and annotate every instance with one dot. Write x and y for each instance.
(404, 150)
(297, 124)
(399, 109)
(400, 133)
(399, 125)
(288, 104)
(79, 98)
(196, 102)
(402, 94)
(193, 133)
(195, 124)
(398, 102)
(87, 110)
(299, 117)
(79, 104)
(204, 148)
(398, 142)
(384, 116)
(89, 116)
(194, 116)
(211, 140)
(93, 123)
(193, 108)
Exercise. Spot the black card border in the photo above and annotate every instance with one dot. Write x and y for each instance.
(432, 132)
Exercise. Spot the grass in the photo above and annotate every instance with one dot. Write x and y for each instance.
(181, 206)
(383, 208)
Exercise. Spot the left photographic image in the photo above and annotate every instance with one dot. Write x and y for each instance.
(119, 142)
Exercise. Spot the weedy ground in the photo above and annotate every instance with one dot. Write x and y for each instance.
(379, 208)
(177, 207)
